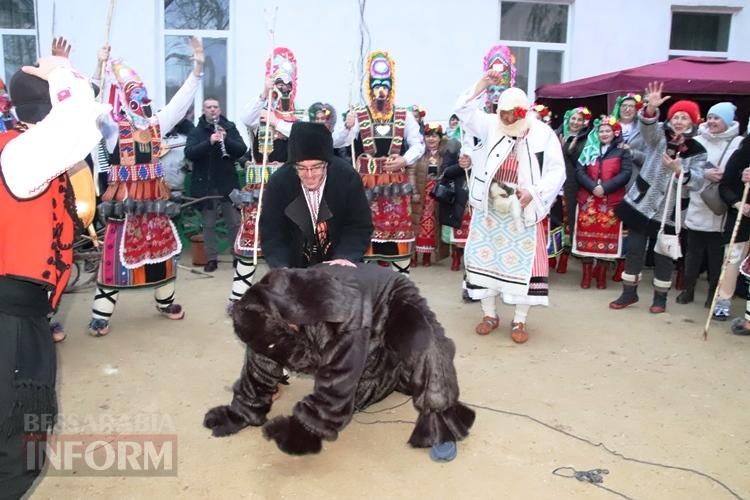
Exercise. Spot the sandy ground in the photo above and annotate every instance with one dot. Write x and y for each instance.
(646, 386)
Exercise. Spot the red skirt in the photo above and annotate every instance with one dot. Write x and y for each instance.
(598, 231)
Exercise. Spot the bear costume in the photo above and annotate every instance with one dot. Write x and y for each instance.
(362, 332)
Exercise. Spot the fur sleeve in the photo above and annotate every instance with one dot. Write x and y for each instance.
(329, 408)
(252, 397)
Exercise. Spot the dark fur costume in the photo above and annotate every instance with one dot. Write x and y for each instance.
(363, 333)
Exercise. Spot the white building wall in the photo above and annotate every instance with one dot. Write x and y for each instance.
(438, 45)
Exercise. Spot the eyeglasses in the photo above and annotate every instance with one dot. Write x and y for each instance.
(313, 169)
(627, 106)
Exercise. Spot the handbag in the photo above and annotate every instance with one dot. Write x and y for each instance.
(444, 192)
(710, 194)
(669, 244)
(711, 197)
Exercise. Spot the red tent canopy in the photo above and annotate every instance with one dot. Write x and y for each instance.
(703, 79)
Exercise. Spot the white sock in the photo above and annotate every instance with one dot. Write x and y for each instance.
(488, 306)
(522, 310)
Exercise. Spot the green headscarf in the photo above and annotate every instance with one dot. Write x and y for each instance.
(566, 120)
(593, 146)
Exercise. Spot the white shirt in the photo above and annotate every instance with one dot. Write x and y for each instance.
(64, 137)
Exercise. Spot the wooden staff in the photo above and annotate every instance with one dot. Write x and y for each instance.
(466, 171)
(265, 141)
(82, 180)
(107, 29)
(727, 258)
(351, 84)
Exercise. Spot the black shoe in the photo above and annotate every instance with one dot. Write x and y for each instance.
(659, 304)
(686, 296)
(211, 266)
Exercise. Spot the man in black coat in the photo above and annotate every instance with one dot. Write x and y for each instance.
(214, 146)
(314, 207)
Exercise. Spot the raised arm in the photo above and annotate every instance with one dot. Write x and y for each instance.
(69, 130)
(178, 106)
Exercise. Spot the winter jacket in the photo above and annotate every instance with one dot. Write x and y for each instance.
(731, 188)
(541, 168)
(612, 169)
(642, 208)
(719, 148)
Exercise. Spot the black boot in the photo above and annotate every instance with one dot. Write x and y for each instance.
(686, 296)
(659, 304)
(628, 297)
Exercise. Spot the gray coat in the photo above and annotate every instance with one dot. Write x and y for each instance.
(642, 208)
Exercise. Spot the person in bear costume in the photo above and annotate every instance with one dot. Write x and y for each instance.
(363, 332)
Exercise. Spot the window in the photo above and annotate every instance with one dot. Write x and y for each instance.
(699, 33)
(17, 36)
(537, 34)
(209, 20)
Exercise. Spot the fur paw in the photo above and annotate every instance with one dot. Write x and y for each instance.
(291, 436)
(223, 421)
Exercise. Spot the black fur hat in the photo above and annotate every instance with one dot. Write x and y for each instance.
(309, 141)
(30, 96)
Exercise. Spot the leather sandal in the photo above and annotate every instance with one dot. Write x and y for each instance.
(518, 333)
(172, 311)
(487, 325)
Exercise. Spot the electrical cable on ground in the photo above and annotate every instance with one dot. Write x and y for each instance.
(593, 476)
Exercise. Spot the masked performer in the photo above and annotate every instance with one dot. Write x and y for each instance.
(57, 112)
(388, 141)
(141, 244)
(268, 139)
(363, 332)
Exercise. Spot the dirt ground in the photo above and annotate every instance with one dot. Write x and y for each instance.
(646, 386)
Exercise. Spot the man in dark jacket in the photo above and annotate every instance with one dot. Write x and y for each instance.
(314, 207)
(214, 146)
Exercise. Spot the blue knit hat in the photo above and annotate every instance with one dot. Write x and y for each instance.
(725, 111)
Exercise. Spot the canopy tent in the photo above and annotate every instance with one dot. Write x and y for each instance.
(702, 79)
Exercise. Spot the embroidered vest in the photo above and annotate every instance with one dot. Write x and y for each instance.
(380, 139)
(37, 234)
(136, 156)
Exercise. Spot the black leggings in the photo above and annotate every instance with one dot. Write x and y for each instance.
(636, 255)
(700, 243)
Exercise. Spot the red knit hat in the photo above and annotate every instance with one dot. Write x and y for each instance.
(689, 107)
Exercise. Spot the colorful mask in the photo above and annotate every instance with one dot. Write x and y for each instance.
(499, 58)
(129, 96)
(282, 68)
(380, 85)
